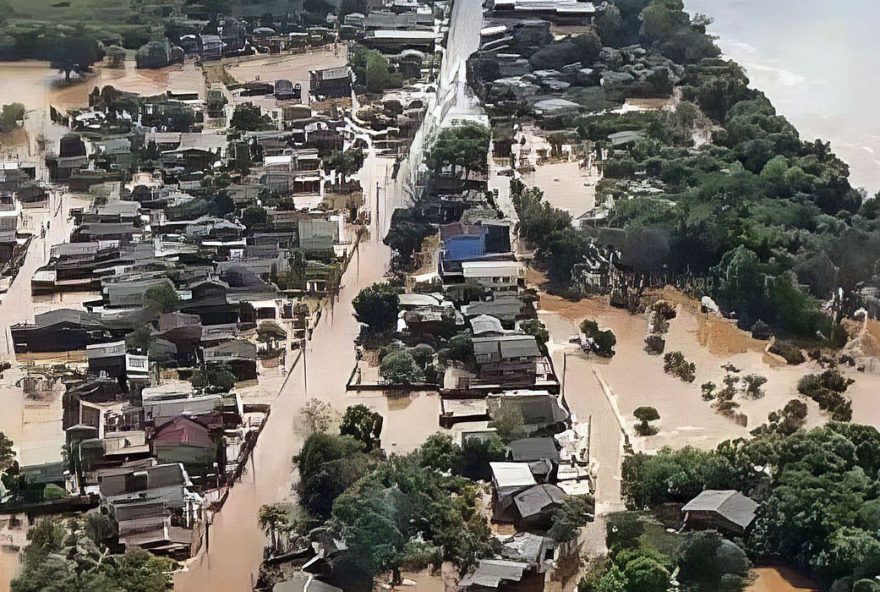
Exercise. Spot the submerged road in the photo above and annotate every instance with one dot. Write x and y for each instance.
(235, 549)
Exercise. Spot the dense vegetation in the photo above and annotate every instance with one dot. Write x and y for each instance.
(74, 556)
(737, 196)
(413, 510)
(819, 490)
(643, 555)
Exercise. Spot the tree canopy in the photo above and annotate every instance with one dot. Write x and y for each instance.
(377, 307)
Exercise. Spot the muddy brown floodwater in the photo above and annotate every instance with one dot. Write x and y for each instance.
(635, 378)
(37, 87)
(235, 550)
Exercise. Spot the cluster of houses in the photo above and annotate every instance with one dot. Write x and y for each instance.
(172, 305)
(19, 192)
(232, 37)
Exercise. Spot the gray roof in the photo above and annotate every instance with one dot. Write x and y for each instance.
(625, 137)
(536, 409)
(486, 324)
(538, 499)
(525, 546)
(727, 503)
(490, 573)
(500, 308)
(142, 479)
(531, 449)
(506, 347)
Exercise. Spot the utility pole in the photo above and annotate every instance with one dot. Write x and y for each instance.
(305, 348)
(378, 205)
(564, 368)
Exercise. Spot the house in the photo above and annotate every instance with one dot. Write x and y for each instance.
(239, 355)
(536, 505)
(107, 359)
(212, 47)
(625, 139)
(533, 449)
(509, 478)
(487, 326)
(58, 330)
(394, 40)
(539, 410)
(506, 307)
(496, 276)
(317, 235)
(331, 82)
(130, 292)
(508, 360)
(148, 525)
(303, 582)
(493, 574)
(530, 548)
(561, 12)
(726, 510)
(463, 241)
(187, 441)
(160, 410)
(166, 483)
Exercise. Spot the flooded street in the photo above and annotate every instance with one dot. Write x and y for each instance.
(33, 425)
(236, 542)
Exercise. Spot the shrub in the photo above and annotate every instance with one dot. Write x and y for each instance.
(675, 364)
(827, 390)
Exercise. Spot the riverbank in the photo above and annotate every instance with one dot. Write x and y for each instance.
(777, 45)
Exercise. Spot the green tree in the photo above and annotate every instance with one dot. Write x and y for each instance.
(377, 307)
(645, 415)
(249, 118)
(328, 465)
(477, 453)
(507, 419)
(459, 348)
(400, 367)
(273, 519)
(10, 116)
(708, 563)
(7, 452)
(216, 378)
(161, 298)
(254, 216)
(463, 147)
(362, 424)
(378, 72)
(345, 163)
(576, 512)
(646, 574)
(76, 53)
(440, 452)
(537, 329)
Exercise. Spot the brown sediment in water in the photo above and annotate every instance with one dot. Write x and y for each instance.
(780, 579)
(575, 309)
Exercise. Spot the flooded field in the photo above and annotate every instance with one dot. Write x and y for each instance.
(38, 86)
(633, 378)
(294, 67)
